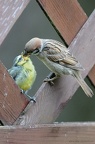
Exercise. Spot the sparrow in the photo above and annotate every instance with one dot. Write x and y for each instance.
(58, 59)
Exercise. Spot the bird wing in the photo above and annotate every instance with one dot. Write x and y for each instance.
(57, 52)
(14, 71)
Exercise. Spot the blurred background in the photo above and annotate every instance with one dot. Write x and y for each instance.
(32, 23)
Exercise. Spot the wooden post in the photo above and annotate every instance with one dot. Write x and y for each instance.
(52, 99)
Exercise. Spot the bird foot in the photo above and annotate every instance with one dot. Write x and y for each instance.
(49, 81)
(21, 91)
(50, 78)
(33, 98)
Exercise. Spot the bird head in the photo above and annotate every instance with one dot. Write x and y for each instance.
(33, 46)
(21, 60)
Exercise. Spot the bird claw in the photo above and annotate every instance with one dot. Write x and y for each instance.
(49, 81)
(33, 99)
(21, 91)
(50, 78)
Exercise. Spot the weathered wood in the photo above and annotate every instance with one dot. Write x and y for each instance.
(64, 133)
(9, 13)
(52, 99)
(12, 102)
(67, 17)
(91, 75)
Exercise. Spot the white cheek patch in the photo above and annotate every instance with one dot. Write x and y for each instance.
(16, 59)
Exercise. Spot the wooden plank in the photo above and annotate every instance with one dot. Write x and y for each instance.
(92, 75)
(9, 13)
(52, 99)
(66, 15)
(64, 133)
(12, 102)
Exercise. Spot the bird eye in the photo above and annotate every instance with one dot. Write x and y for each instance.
(20, 59)
(36, 51)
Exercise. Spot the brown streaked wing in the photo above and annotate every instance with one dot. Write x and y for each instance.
(57, 52)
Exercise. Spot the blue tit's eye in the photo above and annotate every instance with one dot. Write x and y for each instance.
(20, 59)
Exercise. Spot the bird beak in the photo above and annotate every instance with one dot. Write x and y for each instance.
(25, 53)
(34, 52)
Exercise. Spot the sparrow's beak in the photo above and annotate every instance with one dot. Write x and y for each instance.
(34, 52)
(25, 53)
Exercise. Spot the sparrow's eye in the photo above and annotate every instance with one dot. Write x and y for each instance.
(36, 51)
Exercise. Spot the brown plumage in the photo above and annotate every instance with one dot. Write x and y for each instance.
(58, 59)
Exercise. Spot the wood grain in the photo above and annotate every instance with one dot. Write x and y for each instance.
(12, 102)
(64, 133)
(52, 99)
(92, 75)
(66, 15)
(9, 13)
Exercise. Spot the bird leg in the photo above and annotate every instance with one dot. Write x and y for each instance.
(33, 98)
(50, 78)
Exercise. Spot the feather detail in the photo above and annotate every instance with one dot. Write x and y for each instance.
(57, 52)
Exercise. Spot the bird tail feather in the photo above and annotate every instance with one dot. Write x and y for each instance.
(83, 84)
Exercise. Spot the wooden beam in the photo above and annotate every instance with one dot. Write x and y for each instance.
(9, 13)
(12, 102)
(64, 133)
(52, 99)
(92, 75)
(67, 16)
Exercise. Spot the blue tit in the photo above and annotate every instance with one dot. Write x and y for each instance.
(23, 72)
